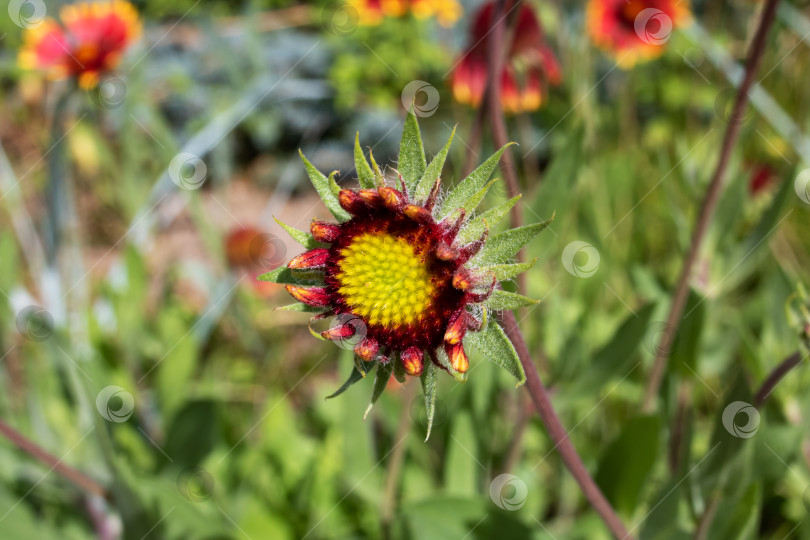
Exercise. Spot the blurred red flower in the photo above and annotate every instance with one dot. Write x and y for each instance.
(762, 177)
(89, 43)
(529, 66)
(634, 30)
(372, 12)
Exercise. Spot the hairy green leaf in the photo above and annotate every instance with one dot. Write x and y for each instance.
(284, 275)
(322, 186)
(432, 173)
(489, 219)
(500, 299)
(411, 163)
(492, 343)
(467, 188)
(364, 173)
(354, 376)
(502, 247)
(303, 238)
(300, 306)
(429, 379)
(503, 272)
(380, 382)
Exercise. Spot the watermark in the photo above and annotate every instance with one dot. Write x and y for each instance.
(195, 484)
(110, 92)
(802, 186)
(730, 419)
(27, 13)
(347, 330)
(115, 404)
(653, 26)
(655, 339)
(724, 107)
(423, 96)
(267, 250)
(340, 18)
(418, 412)
(188, 171)
(35, 323)
(508, 491)
(572, 259)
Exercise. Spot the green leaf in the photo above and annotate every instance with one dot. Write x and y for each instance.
(300, 306)
(192, 433)
(284, 275)
(432, 173)
(502, 247)
(487, 220)
(685, 351)
(354, 376)
(333, 185)
(322, 186)
(364, 173)
(411, 163)
(500, 299)
(379, 179)
(380, 382)
(303, 238)
(627, 462)
(399, 369)
(429, 380)
(493, 343)
(467, 188)
(503, 272)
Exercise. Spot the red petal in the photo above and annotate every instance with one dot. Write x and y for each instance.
(418, 214)
(324, 232)
(456, 328)
(458, 358)
(371, 197)
(462, 280)
(412, 361)
(313, 296)
(311, 259)
(339, 332)
(446, 252)
(352, 202)
(392, 198)
(367, 349)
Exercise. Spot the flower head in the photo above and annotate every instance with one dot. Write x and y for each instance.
(89, 43)
(634, 30)
(408, 280)
(529, 67)
(372, 12)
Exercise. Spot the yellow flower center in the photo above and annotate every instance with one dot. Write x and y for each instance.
(384, 280)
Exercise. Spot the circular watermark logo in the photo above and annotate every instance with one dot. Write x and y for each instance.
(418, 412)
(572, 259)
(267, 250)
(27, 13)
(508, 491)
(349, 330)
(655, 339)
(195, 484)
(188, 171)
(110, 92)
(35, 323)
(802, 186)
(340, 18)
(724, 107)
(731, 415)
(653, 26)
(115, 404)
(423, 96)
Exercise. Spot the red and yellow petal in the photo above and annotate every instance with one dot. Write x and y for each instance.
(315, 258)
(458, 358)
(312, 296)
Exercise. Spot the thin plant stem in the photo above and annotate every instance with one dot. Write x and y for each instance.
(776, 377)
(76, 477)
(709, 205)
(558, 434)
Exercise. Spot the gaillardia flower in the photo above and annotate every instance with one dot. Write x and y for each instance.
(372, 12)
(530, 64)
(409, 277)
(90, 42)
(634, 30)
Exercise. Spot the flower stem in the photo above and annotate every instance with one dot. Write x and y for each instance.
(776, 377)
(709, 205)
(559, 435)
(75, 476)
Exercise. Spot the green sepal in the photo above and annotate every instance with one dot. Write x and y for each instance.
(302, 307)
(467, 188)
(322, 186)
(333, 185)
(493, 343)
(503, 272)
(411, 163)
(364, 173)
(399, 369)
(379, 179)
(429, 380)
(354, 376)
(500, 299)
(432, 173)
(476, 226)
(380, 382)
(473, 202)
(362, 366)
(502, 247)
(285, 276)
(445, 362)
(303, 238)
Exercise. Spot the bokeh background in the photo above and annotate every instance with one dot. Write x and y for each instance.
(151, 360)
